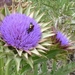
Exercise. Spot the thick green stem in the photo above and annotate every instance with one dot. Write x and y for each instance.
(1, 66)
(36, 69)
(7, 70)
(7, 66)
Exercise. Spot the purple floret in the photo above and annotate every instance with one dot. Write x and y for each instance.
(20, 31)
(62, 38)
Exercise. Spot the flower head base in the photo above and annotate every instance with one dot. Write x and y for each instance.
(20, 31)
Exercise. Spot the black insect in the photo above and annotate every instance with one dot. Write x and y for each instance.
(31, 28)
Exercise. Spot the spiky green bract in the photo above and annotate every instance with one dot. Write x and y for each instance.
(20, 56)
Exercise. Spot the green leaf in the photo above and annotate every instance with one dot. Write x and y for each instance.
(46, 35)
(39, 17)
(27, 11)
(36, 13)
(1, 17)
(7, 66)
(26, 55)
(65, 70)
(17, 61)
(54, 67)
(36, 69)
(19, 8)
(45, 29)
(36, 59)
(30, 61)
(1, 66)
(41, 47)
(35, 51)
(44, 24)
(31, 15)
(7, 12)
(44, 68)
(19, 52)
(3, 11)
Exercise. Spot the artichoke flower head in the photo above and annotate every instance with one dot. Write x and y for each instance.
(22, 30)
(62, 40)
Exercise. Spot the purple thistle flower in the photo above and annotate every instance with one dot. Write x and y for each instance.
(64, 41)
(20, 31)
